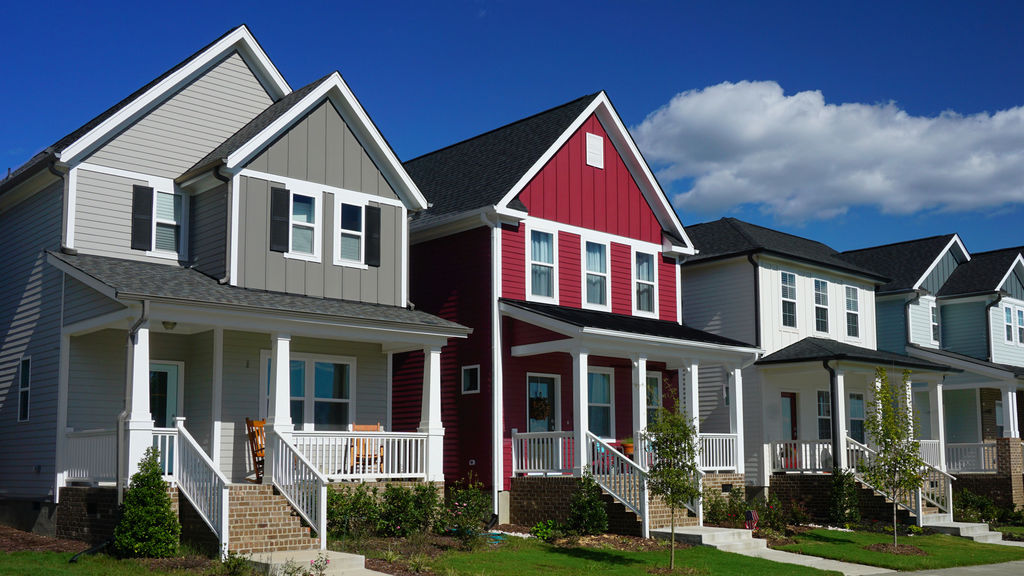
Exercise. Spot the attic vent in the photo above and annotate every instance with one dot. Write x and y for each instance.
(595, 150)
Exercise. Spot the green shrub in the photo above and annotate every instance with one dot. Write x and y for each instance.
(971, 507)
(235, 564)
(798, 513)
(397, 512)
(352, 511)
(770, 513)
(467, 509)
(547, 530)
(587, 513)
(728, 511)
(148, 527)
(844, 504)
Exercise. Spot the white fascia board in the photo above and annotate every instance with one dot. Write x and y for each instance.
(954, 241)
(82, 277)
(341, 96)
(450, 224)
(241, 40)
(545, 322)
(1018, 261)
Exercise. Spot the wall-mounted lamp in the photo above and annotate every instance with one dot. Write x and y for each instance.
(169, 325)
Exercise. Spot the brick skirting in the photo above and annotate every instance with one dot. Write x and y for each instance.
(90, 514)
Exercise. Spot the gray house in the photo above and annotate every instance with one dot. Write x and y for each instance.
(215, 247)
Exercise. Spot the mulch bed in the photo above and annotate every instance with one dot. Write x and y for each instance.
(900, 549)
(617, 542)
(14, 540)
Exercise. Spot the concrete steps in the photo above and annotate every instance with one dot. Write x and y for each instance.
(975, 531)
(726, 539)
(341, 564)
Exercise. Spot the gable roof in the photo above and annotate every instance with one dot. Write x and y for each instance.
(111, 119)
(822, 349)
(985, 273)
(906, 263)
(730, 237)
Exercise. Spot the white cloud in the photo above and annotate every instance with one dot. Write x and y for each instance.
(800, 158)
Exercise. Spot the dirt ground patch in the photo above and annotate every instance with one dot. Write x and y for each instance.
(14, 540)
(901, 549)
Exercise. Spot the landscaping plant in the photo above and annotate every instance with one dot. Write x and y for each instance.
(844, 505)
(148, 527)
(352, 511)
(467, 508)
(674, 475)
(587, 513)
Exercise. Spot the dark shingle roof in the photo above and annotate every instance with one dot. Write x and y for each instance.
(130, 278)
(819, 349)
(479, 172)
(622, 323)
(982, 274)
(1017, 371)
(256, 125)
(730, 237)
(40, 159)
(903, 262)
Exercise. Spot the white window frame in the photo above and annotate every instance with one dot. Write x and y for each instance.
(1020, 325)
(784, 299)
(611, 397)
(317, 226)
(817, 413)
(462, 378)
(935, 323)
(849, 414)
(607, 306)
(854, 313)
(1000, 423)
(824, 306)
(595, 150)
(340, 199)
(182, 228)
(309, 385)
(530, 262)
(636, 283)
(1008, 324)
(557, 399)
(25, 387)
(657, 404)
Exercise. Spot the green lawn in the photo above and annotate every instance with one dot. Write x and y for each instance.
(943, 551)
(535, 557)
(56, 564)
(1017, 531)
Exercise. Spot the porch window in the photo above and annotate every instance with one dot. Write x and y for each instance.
(999, 418)
(852, 312)
(1008, 320)
(471, 379)
(542, 264)
(857, 417)
(824, 415)
(597, 274)
(600, 409)
(653, 395)
(167, 222)
(821, 306)
(644, 271)
(351, 240)
(332, 396)
(936, 331)
(24, 383)
(320, 389)
(789, 299)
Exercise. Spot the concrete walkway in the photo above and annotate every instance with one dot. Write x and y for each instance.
(1004, 569)
(847, 568)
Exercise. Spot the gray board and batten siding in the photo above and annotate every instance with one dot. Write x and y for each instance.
(1014, 285)
(890, 317)
(30, 317)
(938, 276)
(183, 129)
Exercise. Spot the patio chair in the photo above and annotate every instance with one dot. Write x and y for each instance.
(367, 453)
(257, 445)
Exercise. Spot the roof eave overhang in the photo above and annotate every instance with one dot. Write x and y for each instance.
(980, 367)
(861, 363)
(877, 280)
(448, 224)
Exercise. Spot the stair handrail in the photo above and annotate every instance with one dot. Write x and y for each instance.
(624, 479)
(301, 484)
(203, 485)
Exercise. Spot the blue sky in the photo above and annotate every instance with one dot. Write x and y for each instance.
(851, 123)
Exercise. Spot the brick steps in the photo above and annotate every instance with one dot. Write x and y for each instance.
(263, 521)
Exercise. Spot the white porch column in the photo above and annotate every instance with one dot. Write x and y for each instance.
(580, 409)
(430, 414)
(140, 421)
(1011, 427)
(279, 418)
(693, 394)
(639, 403)
(217, 402)
(938, 419)
(736, 414)
(839, 419)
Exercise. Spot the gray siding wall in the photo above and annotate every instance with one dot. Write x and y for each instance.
(208, 231)
(96, 379)
(261, 269)
(921, 322)
(1004, 352)
(754, 406)
(198, 410)
(963, 328)
(241, 398)
(188, 125)
(714, 414)
(1014, 285)
(82, 302)
(892, 335)
(719, 298)
(29, 326)
(938, 276)
(321, 148)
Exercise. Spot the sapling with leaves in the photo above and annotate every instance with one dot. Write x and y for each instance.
(674, 474)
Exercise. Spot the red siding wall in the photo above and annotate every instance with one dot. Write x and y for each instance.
(518, 333)
(622, 278)
(570, 287)
(667, 278)
(567, 190)
(513, 255)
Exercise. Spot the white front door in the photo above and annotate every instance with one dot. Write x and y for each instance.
(164, 388)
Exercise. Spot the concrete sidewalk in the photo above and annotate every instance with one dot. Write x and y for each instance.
(1004, 569)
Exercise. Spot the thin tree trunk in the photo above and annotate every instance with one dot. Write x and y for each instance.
(894, 545)
(672, 558)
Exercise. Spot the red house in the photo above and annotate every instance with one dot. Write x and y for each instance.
(553, 240)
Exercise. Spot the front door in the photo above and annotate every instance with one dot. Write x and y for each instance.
(164, 384)
(540, 409)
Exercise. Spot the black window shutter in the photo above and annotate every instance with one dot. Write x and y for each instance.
(373, 236)
(280, 206)
(142, 217)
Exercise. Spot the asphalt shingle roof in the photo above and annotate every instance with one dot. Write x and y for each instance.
(622, 323)
(819, 349)
(479, 172)
(982, 274)
(169, 282)
(730, 237)
(1017, 371)
(903, 262)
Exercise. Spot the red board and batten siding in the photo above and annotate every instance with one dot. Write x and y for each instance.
(622, 279)
(513, 255)
(570, 287)
(668, 275)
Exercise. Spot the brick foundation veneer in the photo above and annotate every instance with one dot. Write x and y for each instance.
(1006, 486)
(814, 492)
(90, 514)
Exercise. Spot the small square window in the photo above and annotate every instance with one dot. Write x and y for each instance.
(471, 379)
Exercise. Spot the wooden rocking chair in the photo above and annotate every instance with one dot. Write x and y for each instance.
(367, 453)
(257, 445)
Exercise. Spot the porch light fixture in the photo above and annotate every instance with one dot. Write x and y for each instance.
(169, 325)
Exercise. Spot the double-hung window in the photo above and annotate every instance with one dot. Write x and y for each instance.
(821, 306)
(1000, 423)
(167, 223)
(303, 224)
(295, 219)
(596, 278)
(158, 220)
(321, 391)
(600, 388)
(936, 330)
(350, 237)
(644, 290)
(1020, 327)
(824, 415)
(24, 386)
(1008, 323)
(356, 232)
(789, 299)
(542, 265)
(852, 312)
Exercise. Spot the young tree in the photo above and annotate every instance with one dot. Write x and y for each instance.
(148, 527)
(897, 468)
(674, 472)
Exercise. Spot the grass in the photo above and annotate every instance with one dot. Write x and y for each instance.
(1015, 530)
(943, 551)
(535, 557)
(56, 564)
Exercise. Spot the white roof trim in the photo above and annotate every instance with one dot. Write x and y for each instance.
(634, 160)
(240, 39)
(335, 88)
(955, 240)
(1019, 260)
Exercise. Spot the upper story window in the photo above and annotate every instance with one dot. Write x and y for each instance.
(789, 299)
(158, 218)
(821, 306)
(351, 235)
(936, 330)
(596, 285)
(542, 265)
(167, 223)
(1020, 325)
(852, 312)
(357, 232)
(1008, 323)
(24, 385)
(595, 150)
(644, 284)
(295, 221)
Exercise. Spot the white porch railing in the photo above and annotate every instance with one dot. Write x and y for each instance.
(624, 479)
(931, 452)
(801, 456)
(543, 452)
(976, 457)
(202, 484)
(166, 441)
(301, 483)
(91, 456)
(364, 455)
(717, 451)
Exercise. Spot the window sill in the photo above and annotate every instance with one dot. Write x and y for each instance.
(304, 257)
(163, 254)
(645, 314)
(350, 264)
(542, 299)
(597, 307)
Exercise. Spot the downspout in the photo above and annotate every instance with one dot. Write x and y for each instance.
(832, 392)
(133, 333)
(906, 315)
(226, 180)
(52, 167)
(757, 300)
(988, 319)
